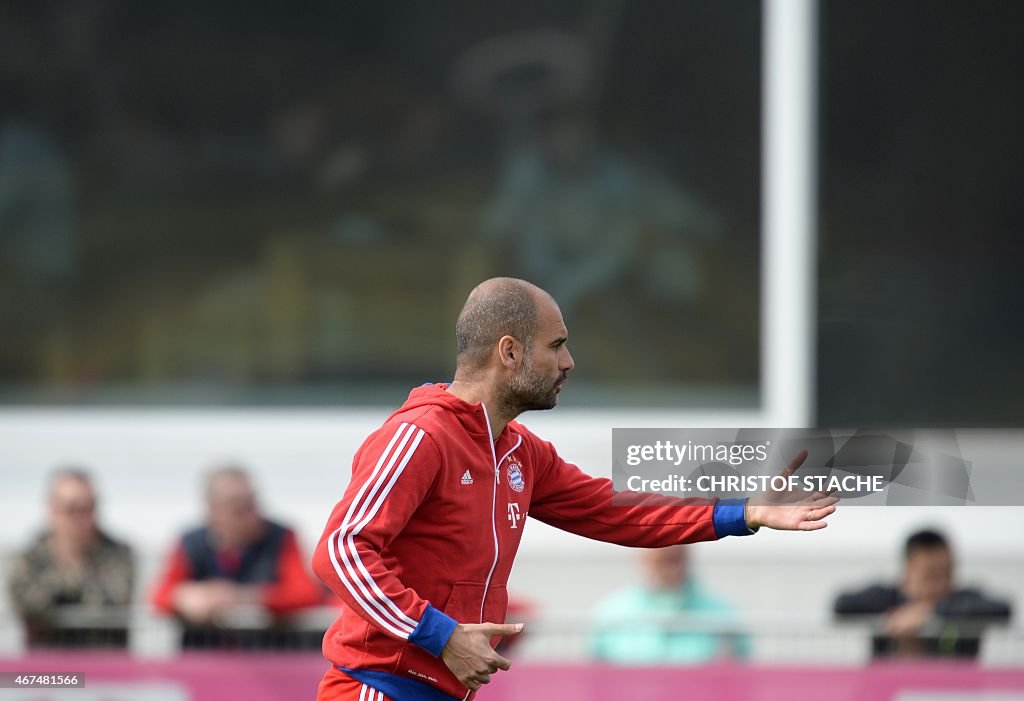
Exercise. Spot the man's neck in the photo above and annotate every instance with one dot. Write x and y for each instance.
(473, 392)
(239, 541)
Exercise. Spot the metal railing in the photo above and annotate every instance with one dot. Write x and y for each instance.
(566, 637)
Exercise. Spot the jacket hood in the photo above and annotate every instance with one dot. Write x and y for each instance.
(472, 416)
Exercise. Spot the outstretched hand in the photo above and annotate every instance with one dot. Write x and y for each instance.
(469, 655)
(790, 510)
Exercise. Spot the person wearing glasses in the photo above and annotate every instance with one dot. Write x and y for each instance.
(72, 586)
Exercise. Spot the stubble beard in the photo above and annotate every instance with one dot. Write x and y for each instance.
(529, 391)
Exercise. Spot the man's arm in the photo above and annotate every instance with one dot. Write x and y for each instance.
(569, 499)
(24, 585)
(872, 601)
(176, 572)
(392, 474)
(972, 604)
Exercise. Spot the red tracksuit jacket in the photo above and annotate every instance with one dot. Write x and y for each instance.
(427, 530)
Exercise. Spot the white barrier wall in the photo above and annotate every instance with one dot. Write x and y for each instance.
(148, 465)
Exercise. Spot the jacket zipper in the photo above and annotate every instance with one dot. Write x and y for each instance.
(494, 504)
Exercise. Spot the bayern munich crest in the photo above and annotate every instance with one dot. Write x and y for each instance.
(515, 476)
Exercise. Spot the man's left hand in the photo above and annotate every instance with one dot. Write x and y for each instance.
(791, 510)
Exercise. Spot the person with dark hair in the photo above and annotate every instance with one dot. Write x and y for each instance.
(238, 558)
(421, 544)
(72, 587)
(925, 615)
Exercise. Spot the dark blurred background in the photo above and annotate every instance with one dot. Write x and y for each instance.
(227, 203)
(920, 172)
(224, 203)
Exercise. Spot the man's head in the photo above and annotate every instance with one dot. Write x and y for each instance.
(927, 567)
(511, 336)
(72, 507)
(232, 509)
(665, 569)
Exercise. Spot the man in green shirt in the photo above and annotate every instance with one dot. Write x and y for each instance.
(669, 619)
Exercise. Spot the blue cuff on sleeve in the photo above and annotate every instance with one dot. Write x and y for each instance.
(729, 519)
(433, 631)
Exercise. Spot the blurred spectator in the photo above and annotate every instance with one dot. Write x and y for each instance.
(239, 572)
(572, 212)
(73, 585)
(583, 220)
(606, 232)
(641, 624)
(924, 615)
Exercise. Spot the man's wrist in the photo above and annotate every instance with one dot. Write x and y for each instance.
(729, 518)
(433, 631)
(750, 516)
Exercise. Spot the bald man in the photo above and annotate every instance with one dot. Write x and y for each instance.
(422, 542)
(239, 557)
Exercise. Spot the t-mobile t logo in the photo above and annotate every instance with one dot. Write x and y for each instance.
(514, 517)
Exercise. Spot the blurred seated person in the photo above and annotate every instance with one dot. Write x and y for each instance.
(233, 581)
(924, 615)
(72, 586)
(641, 624)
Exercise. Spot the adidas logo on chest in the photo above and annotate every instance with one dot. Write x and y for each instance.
(466, 478)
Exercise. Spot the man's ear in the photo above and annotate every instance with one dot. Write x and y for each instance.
(510, 352)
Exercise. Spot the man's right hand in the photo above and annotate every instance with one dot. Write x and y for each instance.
(469, 655)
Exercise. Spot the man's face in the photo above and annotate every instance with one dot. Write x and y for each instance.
(233, 511)
(73, 509)
(928, 574)
(546, 363)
